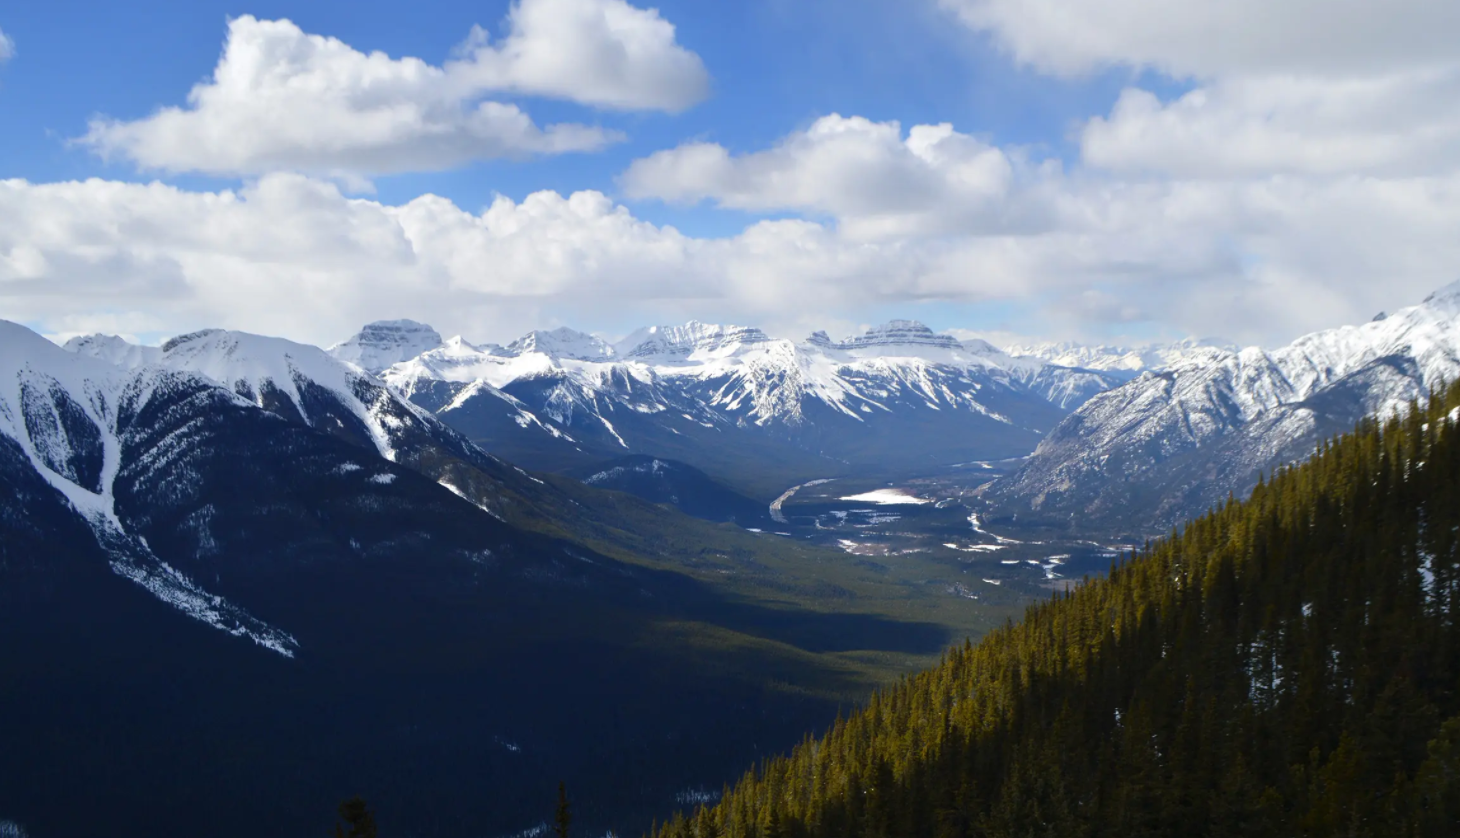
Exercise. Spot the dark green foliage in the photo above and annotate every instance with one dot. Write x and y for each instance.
(357, 817)
(1285, 666)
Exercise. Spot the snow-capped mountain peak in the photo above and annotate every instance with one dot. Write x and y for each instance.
(689, 339)
(1447, 296)
(114, 350)
(1215, 417)
(1125, 359)
(979, 346)
(563, 343)
(900, 333)
(386, 342)
(291, 378)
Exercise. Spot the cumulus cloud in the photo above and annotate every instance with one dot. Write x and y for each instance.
(868, 175)
(282, 99)
(1209, 38)
(1306, 87)
(1308, 177)
(1203, 257)
(1386, 125)
(599, 52)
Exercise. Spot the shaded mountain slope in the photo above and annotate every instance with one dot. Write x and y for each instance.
(242, 571)
(676, 484)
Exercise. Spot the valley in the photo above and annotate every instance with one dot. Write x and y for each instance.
(489, 566)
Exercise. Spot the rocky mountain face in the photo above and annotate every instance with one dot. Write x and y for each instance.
(1170, 444)
(758, 411)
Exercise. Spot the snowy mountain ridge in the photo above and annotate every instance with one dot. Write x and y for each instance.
(766, 378)
(1177, 441)
(1120, 359)
(561, 399)
(70, 416)
(123, 436)
(386, 342)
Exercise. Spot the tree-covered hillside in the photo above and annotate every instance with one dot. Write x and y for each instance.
(1284, 666)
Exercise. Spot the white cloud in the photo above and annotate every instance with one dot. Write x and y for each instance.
(1313, 87)
(7, 47)
(281, 99)
(599, 52)
(1398, 124)
(292, 255)
(866, 174)
(1209, 38)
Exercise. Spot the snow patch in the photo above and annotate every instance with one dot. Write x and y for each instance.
(888, 497)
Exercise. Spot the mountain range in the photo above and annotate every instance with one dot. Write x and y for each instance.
(1174, 442)
(758, 412)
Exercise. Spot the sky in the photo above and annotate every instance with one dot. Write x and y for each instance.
(1116, 171)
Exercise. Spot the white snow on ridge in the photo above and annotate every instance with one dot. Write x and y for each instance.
(1252, 408)
(114, 350)
(740, 375)
(1121, 359)
(562, 343)
(38, 383)
(250, 364)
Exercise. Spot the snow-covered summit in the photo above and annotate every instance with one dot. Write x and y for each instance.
(1124, 359)
(563, 343)
(114, 350)
(1210, 422)
(899, 333)
(1447, 297)
(386, 342)
(301, 382)
(693, 337)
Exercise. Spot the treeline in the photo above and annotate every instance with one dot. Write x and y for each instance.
(1287, 665)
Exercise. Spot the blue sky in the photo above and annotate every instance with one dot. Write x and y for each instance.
(777, 66)
(1161, 226)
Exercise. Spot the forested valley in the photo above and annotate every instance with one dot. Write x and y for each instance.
(1285, 665)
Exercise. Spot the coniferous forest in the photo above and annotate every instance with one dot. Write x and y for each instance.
(1288, 665)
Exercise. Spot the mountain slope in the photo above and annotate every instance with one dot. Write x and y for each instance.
(1172, 444)
(1285, 666)
(244, 570)
(684, 487)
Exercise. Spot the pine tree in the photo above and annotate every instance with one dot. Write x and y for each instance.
(564, 815)
(1281, 666)
(358, 817)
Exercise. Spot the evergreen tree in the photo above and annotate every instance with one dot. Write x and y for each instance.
(358, 817)
(564, 815)
(1287, 665)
